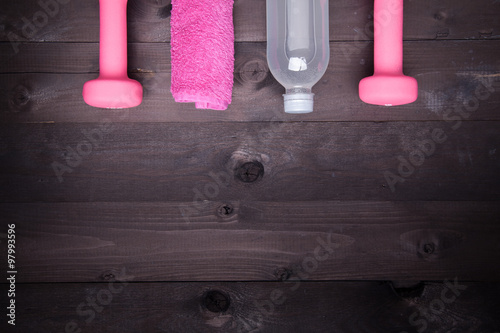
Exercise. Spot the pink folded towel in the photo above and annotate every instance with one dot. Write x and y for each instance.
(202, 50)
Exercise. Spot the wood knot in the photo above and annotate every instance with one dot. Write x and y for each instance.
(19, 98)
(225, 210)
(439, 16)
(443, 33)
(215, 301)
(283, 274)
(165, 11)
(107, 276)
(253, 73)
(246, 165)
(486, 33)
(432, 244)
(408, 289)
(428, 248)
(249, 172)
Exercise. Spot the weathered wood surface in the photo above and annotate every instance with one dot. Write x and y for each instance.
(164, 192)
(260, 241)
(149, 21)
(89, 162)
(352, 307)
(450, 74)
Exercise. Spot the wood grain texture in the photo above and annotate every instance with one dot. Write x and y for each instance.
(149, 21)
(450, 75)
(260, 307)
(301, 213)
(337, 240)
(301, 161)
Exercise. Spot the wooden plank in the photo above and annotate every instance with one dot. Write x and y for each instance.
(355, 307)
(448, 78)
(247, 240)
(300, 161)
(150, 21)
(164, 192)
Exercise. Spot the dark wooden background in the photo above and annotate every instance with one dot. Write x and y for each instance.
(183, 220)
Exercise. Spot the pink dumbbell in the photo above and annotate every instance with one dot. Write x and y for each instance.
(113, 89)
(388, 85)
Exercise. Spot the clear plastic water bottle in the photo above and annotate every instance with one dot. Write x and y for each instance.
(298, 49)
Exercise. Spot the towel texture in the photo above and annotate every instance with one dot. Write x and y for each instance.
(202, 51)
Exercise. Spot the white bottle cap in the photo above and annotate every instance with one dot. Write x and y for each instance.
(298, 103)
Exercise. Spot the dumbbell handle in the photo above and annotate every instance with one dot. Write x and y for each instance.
(113, 39)
(388, 36)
